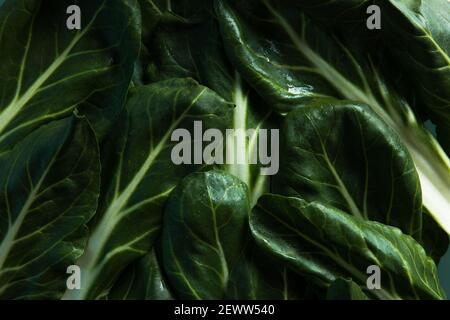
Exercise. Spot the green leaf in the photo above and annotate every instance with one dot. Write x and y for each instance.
(257, 276)
(151, 14)
(343, 154)
(336, 12)
(324, 243)
(204, 234)
(142, 280)
(259, 46)
(140, 175)
(416, 31)
(419, 34)
(49, 186)
(434, 239)
(343, 289)
(292, 62)
(192, 47)
(48, 70)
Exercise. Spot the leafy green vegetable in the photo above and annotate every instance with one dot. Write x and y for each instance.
(420, 34)
(434, 239)
(325, 243)
(204, 234)
(347, 157)
(42, 225)
(48, 70)
(292, 62)
(130, 213)
(342, 289)
(98, 200)
(143, 279)
(257, 276)
(202, 41)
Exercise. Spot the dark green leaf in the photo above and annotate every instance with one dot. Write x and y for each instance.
(142, 280)
(192, 47)
(141, 175)
(49, 186)
(343, 289)
(257, 276)
(325, 243)
(48, 70)
(291, 62)
(434, 239)
(344, 155)
(419, 34)
(417, 31)
(204, 234)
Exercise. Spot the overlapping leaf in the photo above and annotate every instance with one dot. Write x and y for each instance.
(290, 61)
(257, 276)
(343, 289)
(140, 175)
(325, 243)
(419, 34)
(344, 155)
(142, 280)
(197, 51)
(49, 187)
(417, 31)
(48, 70)
(204, 234)
(353, 149)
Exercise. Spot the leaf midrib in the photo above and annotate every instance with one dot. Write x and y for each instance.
(350, 268)
(18, 102)
(396, 123)
(9, 239)
(114, 213)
